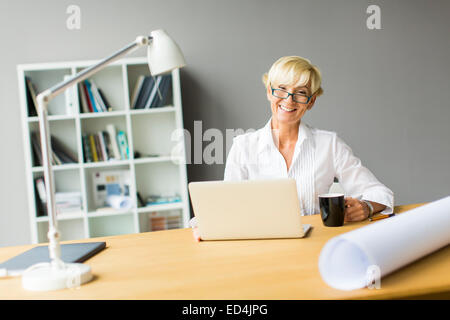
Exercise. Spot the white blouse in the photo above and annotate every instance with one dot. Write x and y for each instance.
(319, 157)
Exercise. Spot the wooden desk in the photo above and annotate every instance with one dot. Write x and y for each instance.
(171, 265)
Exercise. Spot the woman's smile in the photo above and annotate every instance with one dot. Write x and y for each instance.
(286, 109)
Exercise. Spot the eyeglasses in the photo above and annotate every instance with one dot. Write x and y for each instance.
(297, 97)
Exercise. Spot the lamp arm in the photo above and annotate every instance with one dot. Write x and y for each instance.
(86, 73)
(43, 99)
(53, 234)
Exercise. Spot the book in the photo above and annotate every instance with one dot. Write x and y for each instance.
(145, 92)
(86, 94)
(73, 197)
(113, 137)
(98, 148)
(123, 145)
(55, 159)
(63, 158)
(60, 153)
(110, 183)
(108, 145)
(167, 90)
(83, 102)
(164, 87)
(86, 149)
(98, 99)
(163, 221)
(141, 94)
(36, 145)
(155, 91)
(35, 156)
(173, 222)
(63, 152)
(137, 89)
(91, 96)
(105, 101)
(68, 202)
(69, 96)
(93, 149)
(31, 98)
(102, 146)
(157, 223)
(157, 101)
(140, 199)
(40, 195)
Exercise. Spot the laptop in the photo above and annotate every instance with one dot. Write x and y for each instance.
(248, 209)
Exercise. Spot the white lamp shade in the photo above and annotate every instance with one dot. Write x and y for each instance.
(163, 53)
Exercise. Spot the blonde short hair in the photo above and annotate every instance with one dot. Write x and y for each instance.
(295, 71)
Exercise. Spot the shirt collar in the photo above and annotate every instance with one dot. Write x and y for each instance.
(267, 141)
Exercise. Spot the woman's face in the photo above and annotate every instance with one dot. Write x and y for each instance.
(288, 111)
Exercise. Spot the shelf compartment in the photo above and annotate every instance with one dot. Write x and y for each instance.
(89, 177)
(104, 226)
(65, 133)
(65, 181)
(92, 126)
(110, 81)
(134, 72)
(96, 124)
(160, 220)
(152, 133)
(157, 179)
(72, 229)
(45, 79)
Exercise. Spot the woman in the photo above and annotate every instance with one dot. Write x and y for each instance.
(287, 147)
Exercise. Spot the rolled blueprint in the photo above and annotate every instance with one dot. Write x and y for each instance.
(119, 202)
(347, 261)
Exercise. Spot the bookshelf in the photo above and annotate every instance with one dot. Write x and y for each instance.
(156, 171)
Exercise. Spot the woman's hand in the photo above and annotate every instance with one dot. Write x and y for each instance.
(196, 234)
(355, 210)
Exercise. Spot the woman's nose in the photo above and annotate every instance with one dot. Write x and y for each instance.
(291, 98)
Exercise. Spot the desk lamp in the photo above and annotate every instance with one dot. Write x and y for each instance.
(163, 55)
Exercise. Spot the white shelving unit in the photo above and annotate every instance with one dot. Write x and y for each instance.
(148, 131)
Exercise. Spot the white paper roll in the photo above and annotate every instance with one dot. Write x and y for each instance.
(119, 202)
(346, 261)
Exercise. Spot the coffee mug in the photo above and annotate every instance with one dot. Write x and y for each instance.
(332, 209)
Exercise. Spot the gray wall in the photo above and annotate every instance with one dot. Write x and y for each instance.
(386, 91)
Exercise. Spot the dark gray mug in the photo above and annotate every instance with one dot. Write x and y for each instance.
(332, 209)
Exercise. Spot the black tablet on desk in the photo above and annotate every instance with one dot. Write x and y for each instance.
(70, 253)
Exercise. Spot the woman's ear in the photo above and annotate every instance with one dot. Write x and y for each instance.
(268, 92)
(311, 103)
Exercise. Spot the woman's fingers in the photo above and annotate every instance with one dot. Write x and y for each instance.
(196, 234)
(349, 209)
(350, 202)
(354, 210)
(356, 217)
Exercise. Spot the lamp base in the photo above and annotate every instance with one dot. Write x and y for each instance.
(46, 277)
